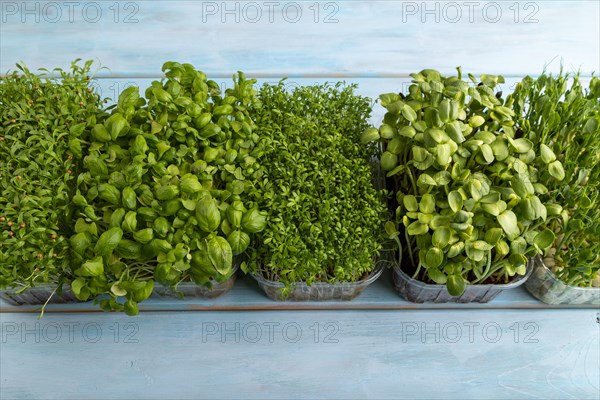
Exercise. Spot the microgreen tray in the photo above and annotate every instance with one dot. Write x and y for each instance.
(420, 292)
(546, 286)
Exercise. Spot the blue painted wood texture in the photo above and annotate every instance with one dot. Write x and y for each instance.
(304, 38)
(248, 346)
(425, 354)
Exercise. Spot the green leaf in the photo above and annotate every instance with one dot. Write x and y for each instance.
(411, 203)
(456, 285)
(522, 145)
(128, 97)
(244, 267)
(433, 258)
(508, 222)
(407, 131)
(456, 249)
(539, 188)
(500, 149)
(441, 237)
(555, 169)
(386, 131)
(487, 153)
(554, 209)
(155, 128)
(493, 209)
(94, 267)
(482, 245)
(476, 120)
(547, 154)
(438, 221)
(474, 253)
(396, 171)
(454, 132)
(239, 241)
(443, 154)
(493, 236)
(81, 242)
(416, 228)
(591, 126)
(108, 241)
(437, 276)
(419, 154)
(117, 290)
(426, 180)
(518, 246)
(390, 229)
(540, 209)
(409, 113)
(520, 167)
(585, 202)
(442, 178)
(478, 189)
(434, 135)
(544, 239)
(130, 222)
(521, 187)
(427, 204)
(189, 204)
(369, 135)
(388, 161)
(207, 214)
(455, 200)
(77, 129)
(516, 262)
(116, 125)
(502, 248)
(77, 285)
(220, 254)
(492, 198)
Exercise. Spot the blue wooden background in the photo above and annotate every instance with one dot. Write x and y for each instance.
(378, 347)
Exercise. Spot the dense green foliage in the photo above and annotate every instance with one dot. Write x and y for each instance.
(562, 119)
(465, 181)
(163, 194)
(44, 125)
(325, 216)
(170, 185)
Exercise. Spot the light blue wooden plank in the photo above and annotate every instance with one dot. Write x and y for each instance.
(247, 296)
(368, 38)
(381, 354)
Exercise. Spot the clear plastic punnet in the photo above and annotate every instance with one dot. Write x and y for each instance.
(190, 289)
(39, 295)
(318, 291)
(420, 292)
(546, 286)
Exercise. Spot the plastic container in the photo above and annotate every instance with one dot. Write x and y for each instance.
(419, 292)
(190, 289)
(545, 286)
(318, 291)
(39, 295)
